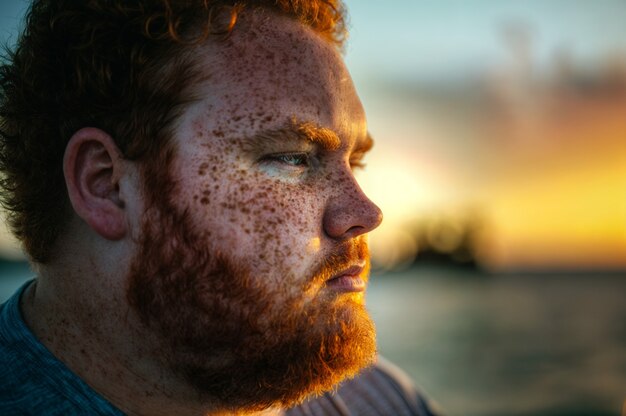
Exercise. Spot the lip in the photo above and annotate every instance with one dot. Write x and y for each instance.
(348, 280)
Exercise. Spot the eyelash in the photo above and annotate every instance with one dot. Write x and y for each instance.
(291, 159)
(294, 159)
(297, 160)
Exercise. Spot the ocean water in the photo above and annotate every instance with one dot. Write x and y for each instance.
(507, 345)
(496, 345)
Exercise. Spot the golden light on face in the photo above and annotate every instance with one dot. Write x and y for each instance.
(257, 293)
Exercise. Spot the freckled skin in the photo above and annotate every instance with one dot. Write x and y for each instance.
(264, 81)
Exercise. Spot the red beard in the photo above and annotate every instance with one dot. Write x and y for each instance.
(240, 342)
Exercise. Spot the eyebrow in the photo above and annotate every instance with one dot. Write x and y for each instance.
(293, 131)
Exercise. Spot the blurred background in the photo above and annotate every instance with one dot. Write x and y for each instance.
(500, 164)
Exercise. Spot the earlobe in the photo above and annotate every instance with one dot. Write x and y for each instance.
(93, 166)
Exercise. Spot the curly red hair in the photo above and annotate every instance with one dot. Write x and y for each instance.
(118, 65)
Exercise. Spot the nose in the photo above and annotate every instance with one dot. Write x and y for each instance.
(349, 212)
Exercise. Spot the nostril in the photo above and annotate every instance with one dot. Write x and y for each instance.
(355, 231)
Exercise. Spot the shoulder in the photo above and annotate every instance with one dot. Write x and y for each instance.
(382, 389)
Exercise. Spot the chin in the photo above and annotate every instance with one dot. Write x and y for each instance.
(306, 354)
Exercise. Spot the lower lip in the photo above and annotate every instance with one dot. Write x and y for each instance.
(346, 283)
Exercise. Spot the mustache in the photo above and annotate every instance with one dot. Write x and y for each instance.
(340, 258)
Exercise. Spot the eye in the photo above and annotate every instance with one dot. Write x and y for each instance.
(291, 159)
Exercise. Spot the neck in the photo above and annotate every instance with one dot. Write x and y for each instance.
(95, 335)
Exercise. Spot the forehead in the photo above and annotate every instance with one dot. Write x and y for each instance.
(270, 70)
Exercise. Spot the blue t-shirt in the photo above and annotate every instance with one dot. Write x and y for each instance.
(34, 382)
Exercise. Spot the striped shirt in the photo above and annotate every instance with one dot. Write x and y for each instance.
(34, 382)
(383, 389)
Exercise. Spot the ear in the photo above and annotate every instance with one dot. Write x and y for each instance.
(93, 166)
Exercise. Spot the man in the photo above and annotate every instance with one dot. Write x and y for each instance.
(181, 175)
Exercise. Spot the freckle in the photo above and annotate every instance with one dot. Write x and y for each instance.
(202, 169)
(218, 133)
(204, 200)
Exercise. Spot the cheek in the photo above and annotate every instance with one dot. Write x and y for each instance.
(281, 217)
(259, 216)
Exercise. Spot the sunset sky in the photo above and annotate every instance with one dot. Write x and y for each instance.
(504, 111)
(540, 161)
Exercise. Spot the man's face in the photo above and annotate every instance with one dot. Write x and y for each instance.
(253, 258)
